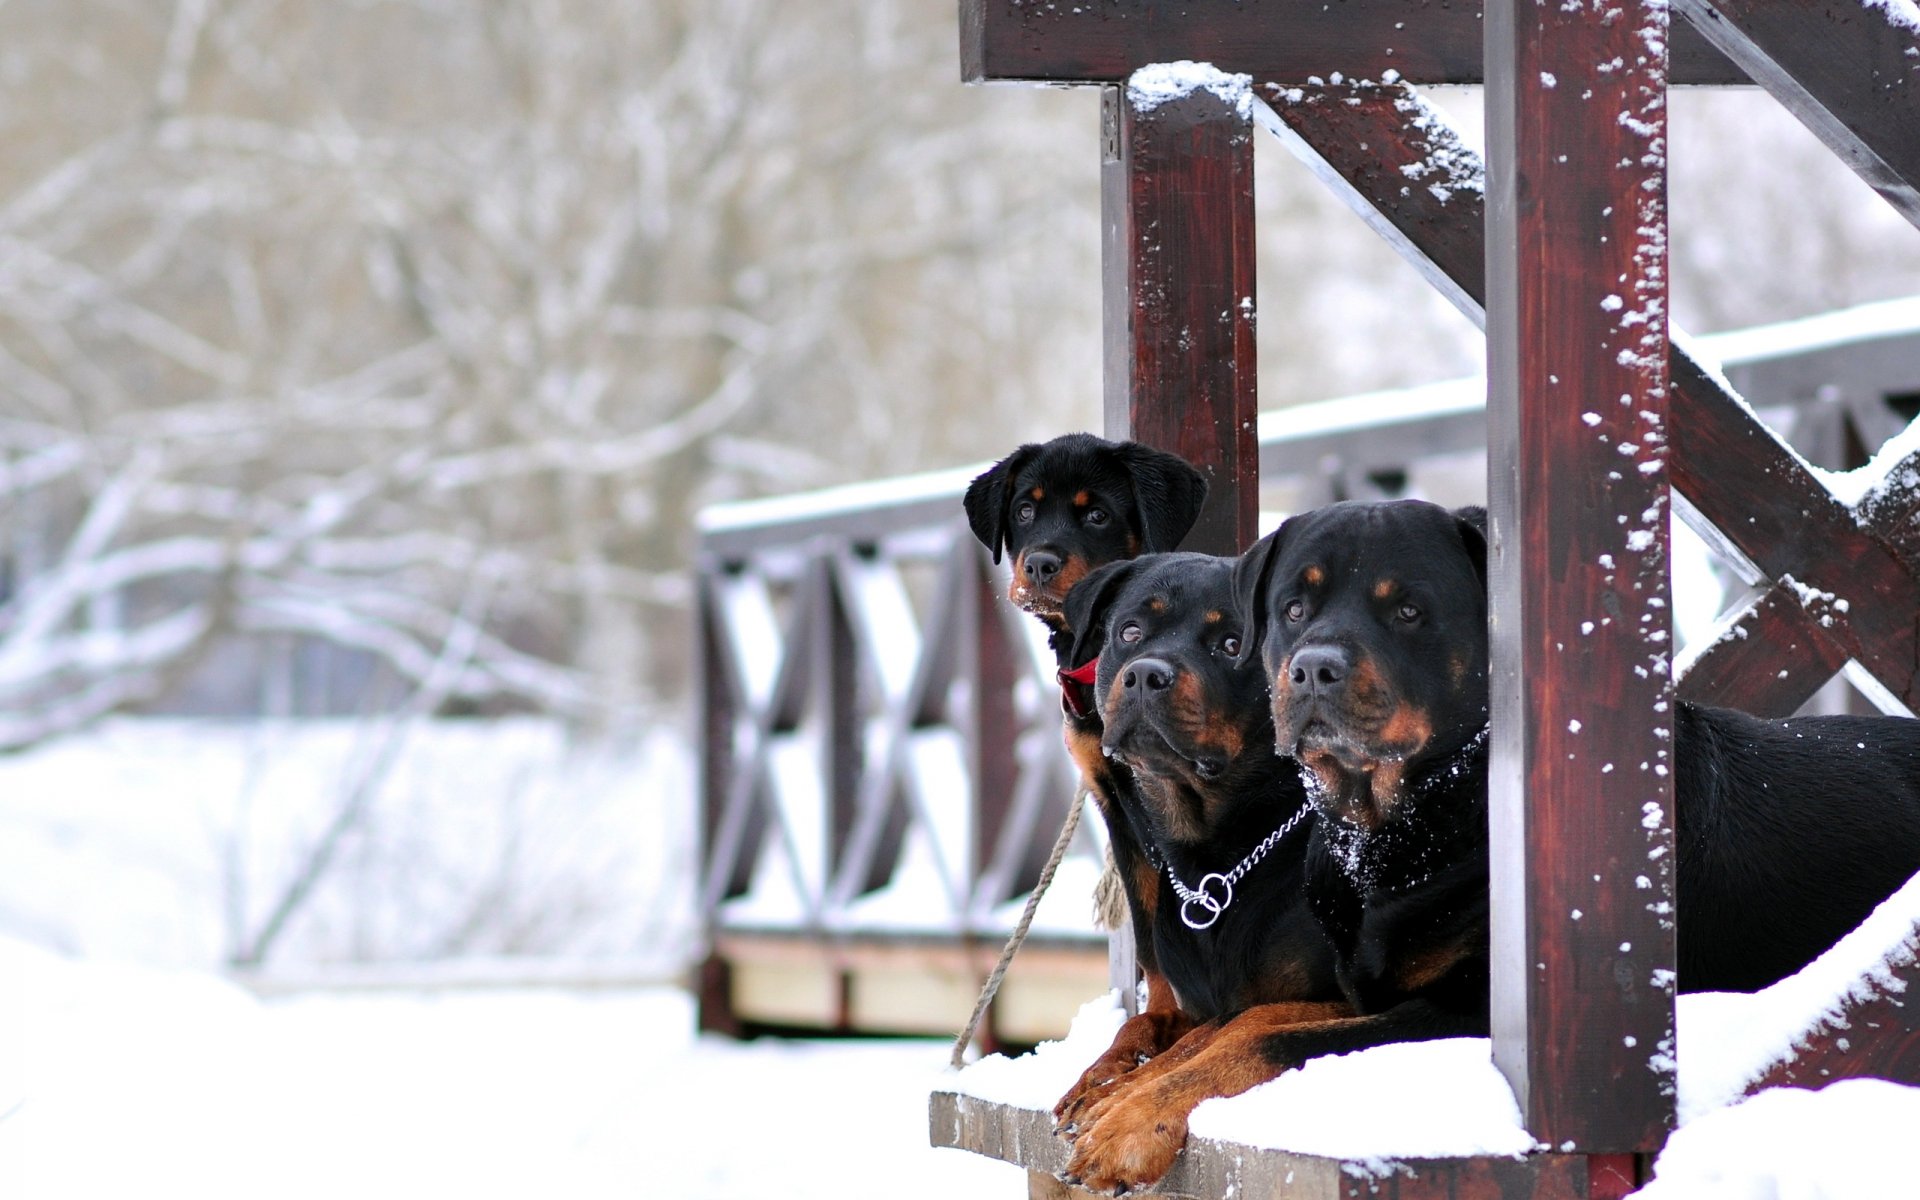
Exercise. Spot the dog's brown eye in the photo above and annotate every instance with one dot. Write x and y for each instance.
(1409, 613)
(1130, 633)
(1023, 512)
(1230, 646)
(1096, 516)
(1295, 610)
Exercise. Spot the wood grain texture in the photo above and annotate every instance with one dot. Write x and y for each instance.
(1178, 273)
(1769, 659)
(1580, 794)
(1282, 41)
(1208, 1169)
(1875, 1034)
(1848, 71)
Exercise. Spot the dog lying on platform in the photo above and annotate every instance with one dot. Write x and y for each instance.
(1370, 623)
(1367, 624)
(1062, 509)
(1221, 825)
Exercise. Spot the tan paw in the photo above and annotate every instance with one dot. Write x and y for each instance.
(1129, 1145)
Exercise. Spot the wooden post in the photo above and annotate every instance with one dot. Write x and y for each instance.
(718, 713)
(1176, 188)
(1581, 796)
(993, 725)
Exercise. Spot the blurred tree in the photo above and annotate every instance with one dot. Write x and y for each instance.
(421, 328)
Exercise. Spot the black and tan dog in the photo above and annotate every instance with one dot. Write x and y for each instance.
(1065, 507)
(1062, 509)
(1214, 808)
(1370, 623)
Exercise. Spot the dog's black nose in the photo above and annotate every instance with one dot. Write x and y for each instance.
(1318, 668)
(1149, 673)
(1041, 566)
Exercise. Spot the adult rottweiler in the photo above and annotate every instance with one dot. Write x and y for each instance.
(1215, 897)
(1370, 623)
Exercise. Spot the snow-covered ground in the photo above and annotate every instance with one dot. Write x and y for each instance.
(120, 1081)
(174, 842)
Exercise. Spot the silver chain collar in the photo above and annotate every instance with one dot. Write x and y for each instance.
(1210, 905)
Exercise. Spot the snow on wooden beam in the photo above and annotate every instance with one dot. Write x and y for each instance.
(1872, 1028)
(1176, 188)
(1208, 1169)
(1282, 41)
(1849, 70)
(1853, 1012)
(1580, 796)
(1747, 490)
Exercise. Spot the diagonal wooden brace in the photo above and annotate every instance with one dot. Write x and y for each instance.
(1849, 71)
(1400, 166)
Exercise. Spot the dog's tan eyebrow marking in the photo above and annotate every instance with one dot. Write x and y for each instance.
(1158, 604)
(1081, 499)
(1383, 589)
(1038, 493)
(1316, 575)
(1215, 617)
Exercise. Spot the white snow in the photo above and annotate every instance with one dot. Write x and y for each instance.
(873, 494)
(1879, 474)
(1158, 83)
(121, 1081)
(1728, 1039)
(1848, 1140)
(1904, 14)
(1038, 1079)
(1421, 1099)
(1445, 1098)
(1864, 322)
(164, 840)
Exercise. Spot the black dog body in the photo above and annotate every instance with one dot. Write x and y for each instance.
(1789, 831)
(1190, 725)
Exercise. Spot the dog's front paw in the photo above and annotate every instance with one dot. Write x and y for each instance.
(1107, 1072)
(1129, 1144)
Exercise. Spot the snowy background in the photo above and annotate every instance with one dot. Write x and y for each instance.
(362, 368)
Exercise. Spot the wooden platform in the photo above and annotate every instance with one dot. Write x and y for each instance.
(903, 984)
(1208, 1168)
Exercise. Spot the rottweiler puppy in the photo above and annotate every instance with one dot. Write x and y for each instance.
(1369, 621)
(1222, 824)
(1062, 509)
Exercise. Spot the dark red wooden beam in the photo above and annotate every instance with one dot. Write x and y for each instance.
(1875, 1033)
(1580, 790)
(1769, 660)
(1278, 41)
(1178, 277)
(1397, 164)
(1849, 71)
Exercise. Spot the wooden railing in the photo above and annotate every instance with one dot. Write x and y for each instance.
(881, 739)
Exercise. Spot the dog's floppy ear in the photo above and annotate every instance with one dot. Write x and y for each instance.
(1472, 523)
(1250, 574)
(1085, 610)
(988, 499)
(1167, 492)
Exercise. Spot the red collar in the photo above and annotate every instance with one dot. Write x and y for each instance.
(1076, 688)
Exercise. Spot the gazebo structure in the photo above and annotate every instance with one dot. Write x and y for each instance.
(1597, 417)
